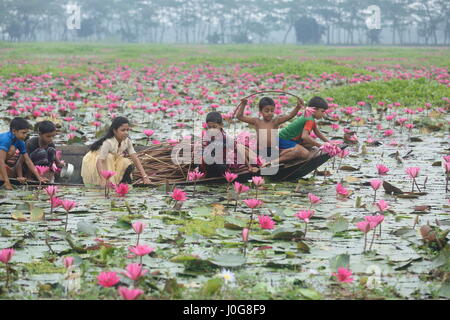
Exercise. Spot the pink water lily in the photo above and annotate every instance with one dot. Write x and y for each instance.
(6, 255)
(266, 222)
(42, 170)
(138, 227)
(413, 172)
(253, 203)
(245, 233)
(141, 250)
(313, 199)
(382, 169)
(55, 202)
(305, 215)
(447, 167)
(195, 175)
(375, 184)
(129, 294)
(178, 195)
(230, 177)
(51, 191)
(240, 188)
(364, 226)
(68, 205)
(108, 174)
(134, 271)
(309, 111)
(108, 279)
(342, 191)
(149, 132)
(343, 275)
(122, 189)
(374, 220)
(68, 262)
(382, 205)
(258, 181)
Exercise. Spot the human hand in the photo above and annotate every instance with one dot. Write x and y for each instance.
(42, 179)
(300, 102)
(244, 102)
(8, 186)
(22, 179)
(146, 180)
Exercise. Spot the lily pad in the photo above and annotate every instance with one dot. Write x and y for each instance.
(310, 294)
(340, 261)
(86, 227)
(228, 260)
(286, 234)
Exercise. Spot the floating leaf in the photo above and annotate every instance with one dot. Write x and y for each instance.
(234, 223)
(286, 234)
(310, 294)
(351, 179)
(339, 224)
(218, 209)
(303, 247)
(390, 189)
(228, 260)
(212, 286)
(86, 227)
(340, 261)
(444, 290)
(201, 210)
(5, 232)
(36, 214)
(405, 232)
(19, 216)
(348, 168)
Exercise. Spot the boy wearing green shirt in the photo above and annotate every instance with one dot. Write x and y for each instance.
(295, 140)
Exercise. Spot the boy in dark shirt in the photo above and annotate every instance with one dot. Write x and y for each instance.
(42, 150)
(10, 142)
(215, 130)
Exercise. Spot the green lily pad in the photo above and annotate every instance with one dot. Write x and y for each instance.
(228, 260)
(286, 234)
(310, 294)
(86, 227)
(340, 261)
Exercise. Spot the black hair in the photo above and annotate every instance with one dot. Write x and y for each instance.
(265, 101)
(318, 103)
(214, 116)
(46, 127)
(19, 124)
(116, 124)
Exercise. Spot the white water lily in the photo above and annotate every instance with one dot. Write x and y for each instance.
(227, 275)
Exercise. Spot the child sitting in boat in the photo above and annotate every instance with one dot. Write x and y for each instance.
(267, 127)
(10, 142)
(295, 141)
(107, 154)
(42, 151)
(214, 139)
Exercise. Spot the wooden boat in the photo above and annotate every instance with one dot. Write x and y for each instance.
(290, 171)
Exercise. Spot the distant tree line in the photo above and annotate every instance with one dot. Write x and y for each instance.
(228, 21)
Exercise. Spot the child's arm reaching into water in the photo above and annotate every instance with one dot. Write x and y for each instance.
(240, 113)
(319, 134)
(292, 114)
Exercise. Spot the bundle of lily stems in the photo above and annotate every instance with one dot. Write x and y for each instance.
(161, 166)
